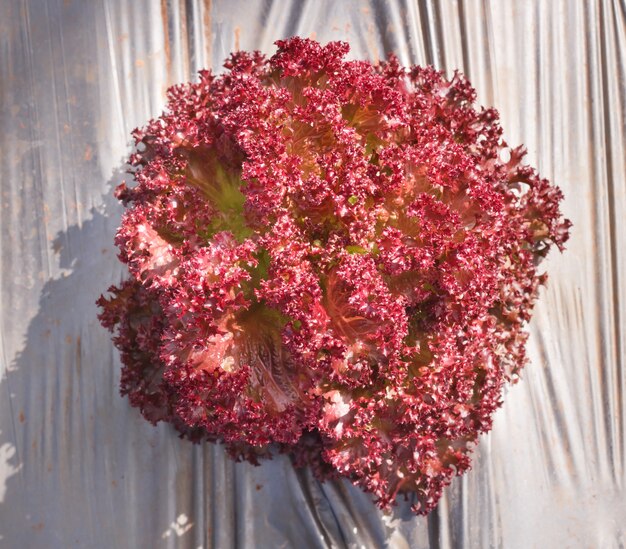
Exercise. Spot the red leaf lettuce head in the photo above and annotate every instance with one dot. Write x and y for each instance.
(330, 258)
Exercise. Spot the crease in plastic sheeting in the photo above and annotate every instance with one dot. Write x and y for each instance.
(79, 467)
(7, 468)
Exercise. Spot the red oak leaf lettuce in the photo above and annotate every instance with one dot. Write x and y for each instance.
(331, 259)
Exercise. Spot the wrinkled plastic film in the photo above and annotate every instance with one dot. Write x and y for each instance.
(80, 467)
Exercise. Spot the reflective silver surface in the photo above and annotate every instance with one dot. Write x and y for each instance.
(80, 468)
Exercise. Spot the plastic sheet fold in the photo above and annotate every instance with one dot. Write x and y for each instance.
(80, 468)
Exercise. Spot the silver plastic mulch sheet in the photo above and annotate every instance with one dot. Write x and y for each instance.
(80, 468)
